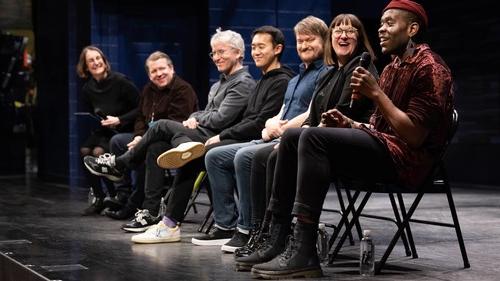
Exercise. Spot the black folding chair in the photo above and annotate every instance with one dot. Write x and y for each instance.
(341, 211)
(437, 183)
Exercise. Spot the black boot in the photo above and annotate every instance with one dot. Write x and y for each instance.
(270, 245)
(300, 258)
(249, 247)
(95, 207)
(261, 230)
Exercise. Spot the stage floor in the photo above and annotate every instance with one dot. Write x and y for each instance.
(42, 231)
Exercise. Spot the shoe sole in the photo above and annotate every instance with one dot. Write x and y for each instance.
(218, 242)
(228, 249)
(173, 158)
(288, 274)
(243, 266)
(136, 230)
(110, 177)
(157, 240)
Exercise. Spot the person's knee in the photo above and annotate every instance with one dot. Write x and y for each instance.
(242, 159)
(157, 125)
(162, 124)
(318, 139)
(314, 135)
(272, 158)
(84, 151)
(116, 141)
(97, 151)
(260, 156)
(211, 157)
(292, 134)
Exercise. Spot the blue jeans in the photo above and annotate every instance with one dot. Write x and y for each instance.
(228, 169)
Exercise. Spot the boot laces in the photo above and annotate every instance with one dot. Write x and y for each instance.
(266, 240)
(289, 250)
(107, 159)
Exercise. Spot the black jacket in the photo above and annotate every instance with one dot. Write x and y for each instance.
(334, 91)
(264, 102)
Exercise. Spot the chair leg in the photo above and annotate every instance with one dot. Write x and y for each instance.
(343, 220)
(408, 229)
(192, 202)
(355, 217)
(358, 225)
(457, 226)
(206, 219)
(342, 210)
(195, 193)
(398, 223)
(401, 228)
(210, 225)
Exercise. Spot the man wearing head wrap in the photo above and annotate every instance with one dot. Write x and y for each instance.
(406, 133)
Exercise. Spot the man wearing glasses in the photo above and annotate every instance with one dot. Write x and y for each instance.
(227, 100)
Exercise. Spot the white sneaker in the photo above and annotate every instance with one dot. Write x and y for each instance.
(158, 233)
(181, 155)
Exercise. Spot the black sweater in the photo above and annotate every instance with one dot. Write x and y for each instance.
(175, 102)
(116, 95)
(264, 102)
(334, 91)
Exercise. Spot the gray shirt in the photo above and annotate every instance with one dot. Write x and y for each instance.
(227, 100)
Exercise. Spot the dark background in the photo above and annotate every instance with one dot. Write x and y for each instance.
(465, 33)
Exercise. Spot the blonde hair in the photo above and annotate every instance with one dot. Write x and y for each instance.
(311, 25)
(156, 56)
(81, 68)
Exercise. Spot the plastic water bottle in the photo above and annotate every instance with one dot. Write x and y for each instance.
(322, 242)
(367, 255)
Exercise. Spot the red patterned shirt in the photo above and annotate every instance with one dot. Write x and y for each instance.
(422, 87)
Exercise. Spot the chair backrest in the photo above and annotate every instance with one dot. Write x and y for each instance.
(449, 137)
(453, 129)
(437, 174)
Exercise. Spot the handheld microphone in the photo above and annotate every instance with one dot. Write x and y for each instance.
(364, 62)
(101, 114)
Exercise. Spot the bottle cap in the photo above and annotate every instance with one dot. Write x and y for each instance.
(321, 226)
(367, 232)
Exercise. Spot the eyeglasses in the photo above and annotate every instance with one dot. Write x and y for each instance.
(349, 32)
(219, 53)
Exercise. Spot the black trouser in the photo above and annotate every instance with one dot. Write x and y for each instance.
(95, 184)
(261, 180)
(308, 161)
(136, 198)
(182, 186)
(171, 132)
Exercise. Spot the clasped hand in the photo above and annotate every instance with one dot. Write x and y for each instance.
(334, 118)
